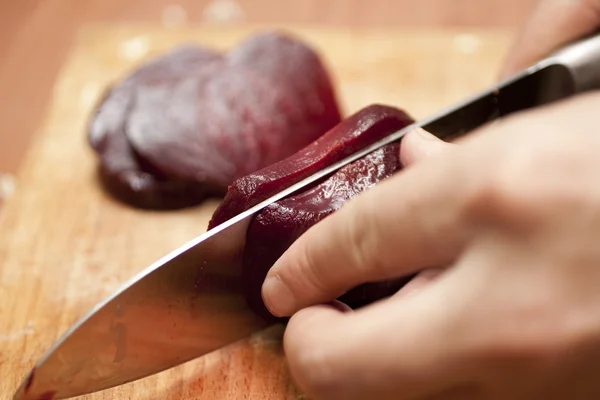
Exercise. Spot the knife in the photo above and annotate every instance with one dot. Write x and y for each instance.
(190, 302)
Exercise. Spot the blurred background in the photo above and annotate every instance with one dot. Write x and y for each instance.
(37, 35)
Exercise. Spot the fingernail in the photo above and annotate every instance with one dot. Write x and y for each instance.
(426, 135)
(343, 307)
(277, 297)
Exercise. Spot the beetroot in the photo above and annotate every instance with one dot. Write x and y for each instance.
(124, 174)
(186, 125)
(278, 225)
(355, 132)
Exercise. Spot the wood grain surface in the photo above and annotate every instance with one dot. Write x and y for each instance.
(64, 244)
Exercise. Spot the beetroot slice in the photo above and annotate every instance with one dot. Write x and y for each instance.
(257, 105)
(186, 125)
(123, 173)
(278, 225)
(355, 132)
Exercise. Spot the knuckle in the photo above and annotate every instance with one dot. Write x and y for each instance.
(496, 201)
(363, 240)
(525, 190)
(311, 275)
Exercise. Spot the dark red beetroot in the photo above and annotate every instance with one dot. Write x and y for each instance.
(277, 226)
(353, 133)
(186, 125)
(125, 175)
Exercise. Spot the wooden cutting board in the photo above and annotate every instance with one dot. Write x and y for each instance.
(64, 244)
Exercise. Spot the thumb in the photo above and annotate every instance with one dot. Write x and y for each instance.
(552, 24)
(419, 145)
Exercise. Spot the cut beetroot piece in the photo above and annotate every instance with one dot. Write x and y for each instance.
(184, 131)
(278, 225)
(261, 103)
(123, 172)
(355, 132)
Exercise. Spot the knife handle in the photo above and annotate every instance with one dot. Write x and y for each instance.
(582, 60)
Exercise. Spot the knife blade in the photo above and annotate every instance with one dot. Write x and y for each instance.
(190, 302)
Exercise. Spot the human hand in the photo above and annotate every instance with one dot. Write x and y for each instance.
(553, 24)
(514, 212)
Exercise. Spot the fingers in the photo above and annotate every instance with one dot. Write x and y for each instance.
(552, 24)
(334, 355)
(419, 145)
(407, 223)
